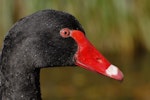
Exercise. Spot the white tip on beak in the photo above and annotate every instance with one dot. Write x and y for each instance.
(113, 72)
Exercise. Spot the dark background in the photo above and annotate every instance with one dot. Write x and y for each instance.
(120, 29)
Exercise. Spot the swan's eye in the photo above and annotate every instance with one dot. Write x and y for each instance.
(65, 32)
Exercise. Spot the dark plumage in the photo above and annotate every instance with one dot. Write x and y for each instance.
(32, 43)
(47, 38)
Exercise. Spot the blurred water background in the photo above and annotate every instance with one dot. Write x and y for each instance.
(120, 29)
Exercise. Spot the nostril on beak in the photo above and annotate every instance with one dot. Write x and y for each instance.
(99, 60)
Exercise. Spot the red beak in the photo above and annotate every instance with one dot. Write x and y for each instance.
(88, 57)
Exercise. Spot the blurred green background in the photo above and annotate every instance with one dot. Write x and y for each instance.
(120, 29)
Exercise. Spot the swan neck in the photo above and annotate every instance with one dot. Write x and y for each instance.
(24, 85)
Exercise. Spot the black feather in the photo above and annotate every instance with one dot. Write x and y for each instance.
(32, 43)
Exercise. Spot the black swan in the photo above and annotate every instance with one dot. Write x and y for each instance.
(47, 38)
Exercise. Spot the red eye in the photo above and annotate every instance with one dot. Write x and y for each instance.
(65, 32)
